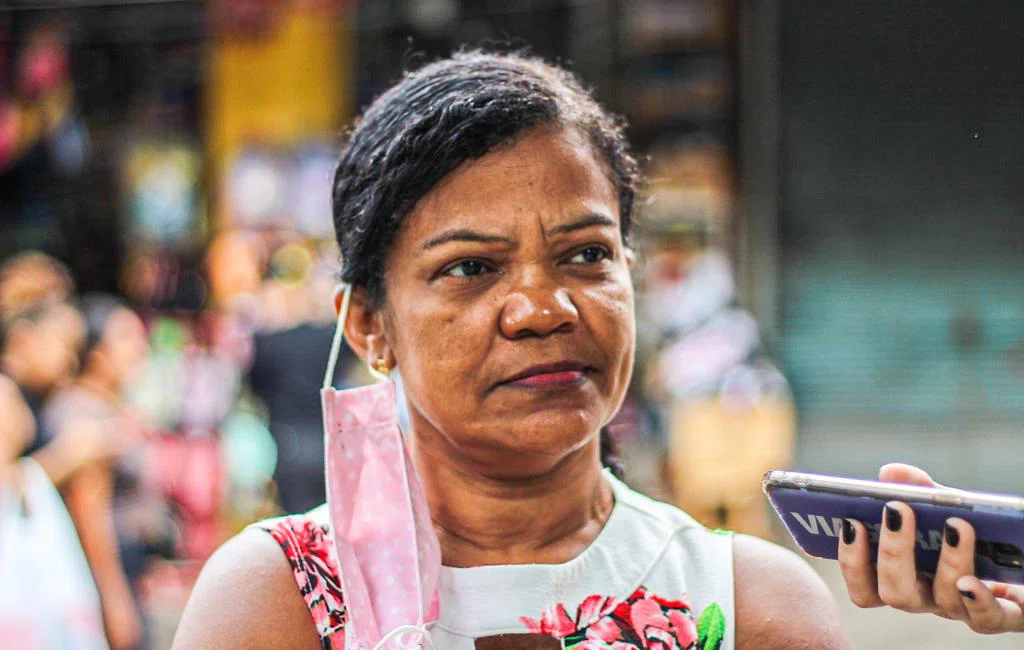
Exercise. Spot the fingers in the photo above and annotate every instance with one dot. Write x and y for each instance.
(987, 613)
(901, 473)
(1012, 593)
(898, 582)
(856, 567)
(955, 560)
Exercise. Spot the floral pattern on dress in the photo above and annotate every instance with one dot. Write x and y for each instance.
(309, 549)
(642, 621)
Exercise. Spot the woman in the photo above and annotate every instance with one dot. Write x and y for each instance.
(107, 499)
(40, 338)
(47, 597)
(483, 207)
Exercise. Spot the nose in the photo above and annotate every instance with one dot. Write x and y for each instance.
(538, 307)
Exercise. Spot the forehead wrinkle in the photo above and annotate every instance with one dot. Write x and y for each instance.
(564, 185)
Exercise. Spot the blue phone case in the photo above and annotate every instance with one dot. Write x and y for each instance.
(814, 519)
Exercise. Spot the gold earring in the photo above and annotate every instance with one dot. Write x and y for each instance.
(381, 366)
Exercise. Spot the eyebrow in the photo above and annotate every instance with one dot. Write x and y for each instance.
(465, 234)
(588, 221)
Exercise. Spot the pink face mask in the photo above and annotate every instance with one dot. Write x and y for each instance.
(388, 554)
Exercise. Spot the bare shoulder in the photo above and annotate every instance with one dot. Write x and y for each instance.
(781, 602)
(246, 597)
(17, 425)
(9, 393)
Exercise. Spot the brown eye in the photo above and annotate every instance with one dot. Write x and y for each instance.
(590, 255)
(466, 269)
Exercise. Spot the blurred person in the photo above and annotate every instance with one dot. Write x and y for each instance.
(117, 516)
(726, 409)
(483, 207)
(47, 596)
(40, 337)
(286, 374)
(985, 606)
(234, 265)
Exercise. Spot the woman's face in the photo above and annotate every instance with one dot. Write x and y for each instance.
(509, 305)
(125, 343)
(54, 343)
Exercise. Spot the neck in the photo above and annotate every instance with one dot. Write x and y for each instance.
(547, 518)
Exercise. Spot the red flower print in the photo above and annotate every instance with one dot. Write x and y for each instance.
(554, 621)
(650, 623)
(621, 610)
(641, 622)
(662, 628)
(683, 627)
(606, 630)
(669, 604)
(593, 608)
(557, 622)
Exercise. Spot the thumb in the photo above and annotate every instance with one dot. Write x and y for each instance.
(901, 473)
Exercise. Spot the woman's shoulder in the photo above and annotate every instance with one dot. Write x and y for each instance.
(307, 543)
(17, 426)
(11, 395)
(246, 597)
(775, 591)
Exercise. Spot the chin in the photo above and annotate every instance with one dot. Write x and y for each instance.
(539, 442)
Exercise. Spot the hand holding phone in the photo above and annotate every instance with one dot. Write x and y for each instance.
(912, 544)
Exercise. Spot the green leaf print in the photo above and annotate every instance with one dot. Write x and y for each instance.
(711, 628)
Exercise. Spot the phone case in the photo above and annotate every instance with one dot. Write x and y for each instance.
(814, 518)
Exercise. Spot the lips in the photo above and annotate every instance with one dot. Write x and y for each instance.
(550, 375)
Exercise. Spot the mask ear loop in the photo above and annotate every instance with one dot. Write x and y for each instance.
(339, 337)
(332, 362)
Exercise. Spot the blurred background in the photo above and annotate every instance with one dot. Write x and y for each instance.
(832, 253)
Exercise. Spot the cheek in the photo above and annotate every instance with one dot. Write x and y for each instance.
(613, 325)
(441, 349)
(612, 321)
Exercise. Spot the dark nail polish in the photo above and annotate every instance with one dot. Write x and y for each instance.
(969, 595)
(849, 532)
(893, 519)
(952, 536)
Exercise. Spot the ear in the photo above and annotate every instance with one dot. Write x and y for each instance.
(364, 327)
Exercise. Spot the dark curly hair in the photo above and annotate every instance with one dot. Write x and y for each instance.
(445, 114)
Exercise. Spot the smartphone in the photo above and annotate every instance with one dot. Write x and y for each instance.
(813, 507)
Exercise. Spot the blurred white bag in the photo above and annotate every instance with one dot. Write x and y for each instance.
(48, 600)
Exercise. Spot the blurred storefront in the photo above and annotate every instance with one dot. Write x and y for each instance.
(900, 241)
